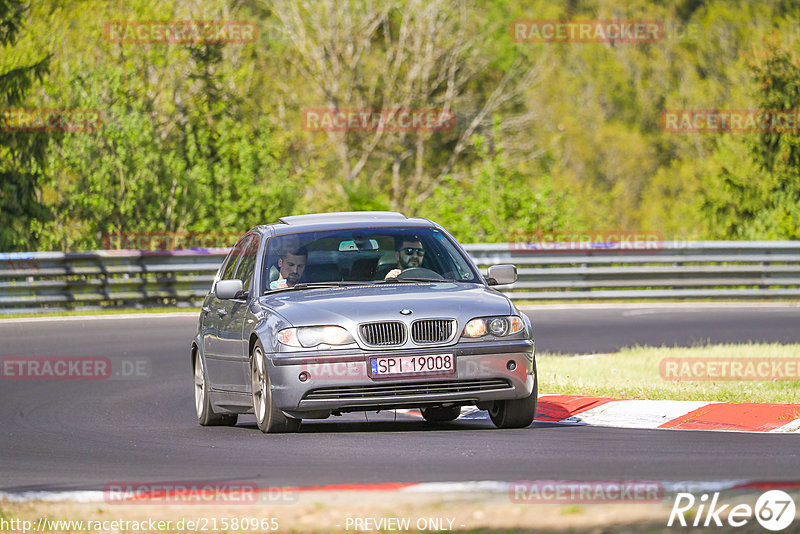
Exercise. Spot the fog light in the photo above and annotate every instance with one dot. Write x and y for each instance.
(304, 376)
(511, 365)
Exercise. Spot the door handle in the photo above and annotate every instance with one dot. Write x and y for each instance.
(221, 312)
(205, 309)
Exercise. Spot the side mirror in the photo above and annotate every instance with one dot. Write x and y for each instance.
(500, 275)
(228, 289)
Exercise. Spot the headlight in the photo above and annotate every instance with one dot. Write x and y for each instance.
(496, 326)
(475, 328)
(312, 336)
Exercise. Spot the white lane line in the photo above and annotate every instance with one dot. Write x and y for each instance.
(635, 413)
(478, 486)
(176, 315)
(758, 309)
(481, 486)
(53, 496)
(500, 486)
(703, 486)
(794, 426)
(472, 413)
(662, 305)
(641, 307)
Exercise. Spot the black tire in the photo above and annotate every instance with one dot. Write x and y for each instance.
(515, 413)
(269, 418)
(202, 401)
(441, 414)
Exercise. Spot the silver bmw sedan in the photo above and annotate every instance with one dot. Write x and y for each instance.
(318, 315)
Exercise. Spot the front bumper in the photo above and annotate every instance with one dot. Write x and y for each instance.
(338, 380)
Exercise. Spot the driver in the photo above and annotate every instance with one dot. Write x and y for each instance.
(290, 268)
(409, 253)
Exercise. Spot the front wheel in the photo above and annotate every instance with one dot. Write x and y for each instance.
(515, 413)
(269, 418)
(202, 401)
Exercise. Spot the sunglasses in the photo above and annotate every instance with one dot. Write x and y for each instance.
(408, 251)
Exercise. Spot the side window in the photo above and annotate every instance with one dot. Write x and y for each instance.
(233, 259)
(247, 264)
(228, 260)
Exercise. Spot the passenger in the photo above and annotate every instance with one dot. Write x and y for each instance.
(290, 268)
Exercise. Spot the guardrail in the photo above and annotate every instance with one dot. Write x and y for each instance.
(687, 269)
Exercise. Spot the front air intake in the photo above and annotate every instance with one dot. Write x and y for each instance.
(428, 331)
(385, 334)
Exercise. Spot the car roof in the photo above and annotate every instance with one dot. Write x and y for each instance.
(343, 216)
(344, 219)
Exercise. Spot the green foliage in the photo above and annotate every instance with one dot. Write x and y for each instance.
(211, 171)
(21, 153)
(755, 191)
(566, 136)
(360, 197)
(497, 203)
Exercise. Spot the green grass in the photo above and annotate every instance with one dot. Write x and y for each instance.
(635, 374)
(108, 311)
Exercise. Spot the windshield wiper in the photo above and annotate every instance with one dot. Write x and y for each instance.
(351, 283)
(332, 283)
(401, 280)
(315, 285)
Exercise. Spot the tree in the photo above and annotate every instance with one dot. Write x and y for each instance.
(755, 191)
(397, 55)
(190, 163)
(21, 153)
(499, 203)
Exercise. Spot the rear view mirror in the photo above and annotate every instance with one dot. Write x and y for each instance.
(228, 289)
(358, 244)
(500, 275)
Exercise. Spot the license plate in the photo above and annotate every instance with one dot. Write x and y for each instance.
(431, 364)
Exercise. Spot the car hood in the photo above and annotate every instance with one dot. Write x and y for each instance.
(356, 304)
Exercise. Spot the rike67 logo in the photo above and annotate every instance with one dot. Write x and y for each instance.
(774, 510)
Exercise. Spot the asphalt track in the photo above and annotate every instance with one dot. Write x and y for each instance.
(63, 435)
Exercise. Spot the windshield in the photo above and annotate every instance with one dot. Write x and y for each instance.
(364, 255)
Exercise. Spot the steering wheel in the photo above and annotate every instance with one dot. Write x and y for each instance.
(419, 272)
